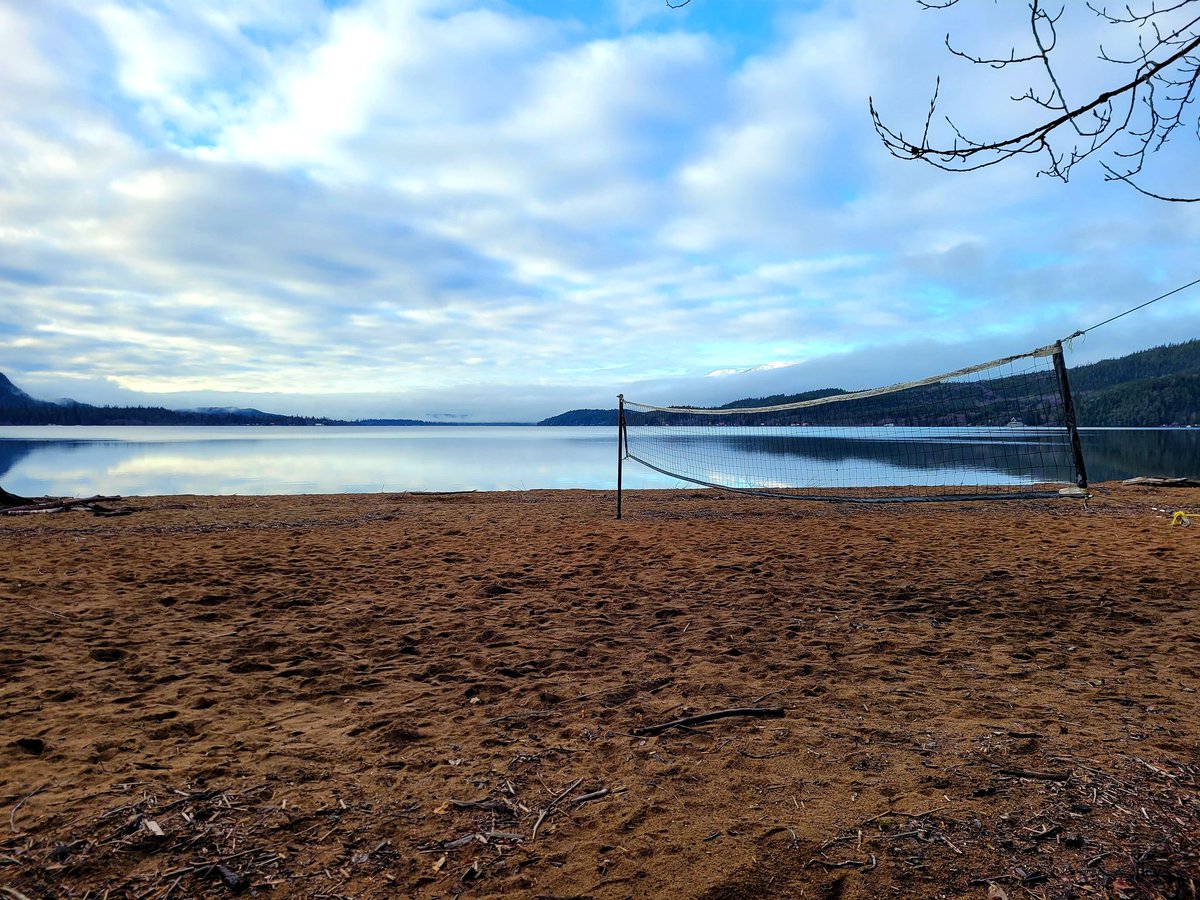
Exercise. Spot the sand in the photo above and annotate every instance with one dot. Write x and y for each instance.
(434, 695)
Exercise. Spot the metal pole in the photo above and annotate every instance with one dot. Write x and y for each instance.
(1060, 368)
(620, 446)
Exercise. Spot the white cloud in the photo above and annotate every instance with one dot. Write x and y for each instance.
(449, 202)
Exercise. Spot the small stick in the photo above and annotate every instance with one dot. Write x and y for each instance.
(949, 844)
(503, 836)
(1037, 776)
(867, 864)
(12, 816)
(195, 867)
(764, 712)
(896, 812)
(594, 795)
(485, 805)
(550, 806)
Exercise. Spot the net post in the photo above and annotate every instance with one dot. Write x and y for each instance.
(1060, 369)
(620, 446)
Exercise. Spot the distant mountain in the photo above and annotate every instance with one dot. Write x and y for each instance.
(18, 408)
(1160, 386)
(13, 397)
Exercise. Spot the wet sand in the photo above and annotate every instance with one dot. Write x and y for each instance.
(433, 695)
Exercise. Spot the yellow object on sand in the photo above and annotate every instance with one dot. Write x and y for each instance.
(1179, 517)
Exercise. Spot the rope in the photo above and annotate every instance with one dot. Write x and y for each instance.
(1134, 309)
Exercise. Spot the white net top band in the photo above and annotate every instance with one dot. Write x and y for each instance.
(1048, 350)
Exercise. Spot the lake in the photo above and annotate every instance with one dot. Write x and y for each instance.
(132, 461)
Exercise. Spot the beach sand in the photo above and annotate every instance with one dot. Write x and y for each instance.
(431, 695)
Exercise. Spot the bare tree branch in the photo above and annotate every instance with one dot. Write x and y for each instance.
(1129, 121)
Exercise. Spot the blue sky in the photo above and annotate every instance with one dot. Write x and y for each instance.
(501, 210)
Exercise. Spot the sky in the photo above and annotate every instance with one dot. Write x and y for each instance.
(466, 210)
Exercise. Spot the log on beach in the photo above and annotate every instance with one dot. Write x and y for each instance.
(1157, 481)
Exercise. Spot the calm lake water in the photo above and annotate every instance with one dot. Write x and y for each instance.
(131, 461)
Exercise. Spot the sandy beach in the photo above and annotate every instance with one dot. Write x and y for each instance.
(396, 695)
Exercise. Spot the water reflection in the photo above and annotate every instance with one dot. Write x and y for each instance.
(257, 460)
(859, 456)
(1117, 453)
(78, 461)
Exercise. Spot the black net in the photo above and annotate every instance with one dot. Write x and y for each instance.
(1001, 429)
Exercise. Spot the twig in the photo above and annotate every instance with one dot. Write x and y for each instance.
(49, 612)
(12, 816)
(949, 844)
(209, 866)
(895, 812)
(764, 712)
(502, 836)
(775, 755)
(485, 805)
(866, 864)
(550, 807)
(594, 795)
(1036, 776)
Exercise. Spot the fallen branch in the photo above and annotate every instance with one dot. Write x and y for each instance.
(592, 796)
(485, 805)
(61, 505)
(63, 502)
(762, 712)
(12, 816)
(865, 864)
(895, 812)
(1035, 776)
(550, 807)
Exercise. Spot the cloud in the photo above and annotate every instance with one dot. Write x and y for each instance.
(486, 209)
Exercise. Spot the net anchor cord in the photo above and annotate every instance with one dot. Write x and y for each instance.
(1067, 340)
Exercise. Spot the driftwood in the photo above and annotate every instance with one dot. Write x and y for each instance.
(763, 712)
(46, 505)
(1156, 481)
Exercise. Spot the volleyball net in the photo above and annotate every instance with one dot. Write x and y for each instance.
(1002, 429)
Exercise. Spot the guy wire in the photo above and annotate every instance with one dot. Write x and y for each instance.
(1134, 309)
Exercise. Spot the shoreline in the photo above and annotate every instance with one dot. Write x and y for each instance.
(390, 694)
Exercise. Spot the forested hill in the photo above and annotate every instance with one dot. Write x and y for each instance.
(1160, 386)
(82, 414)
(1153, 387)
(18, 408)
